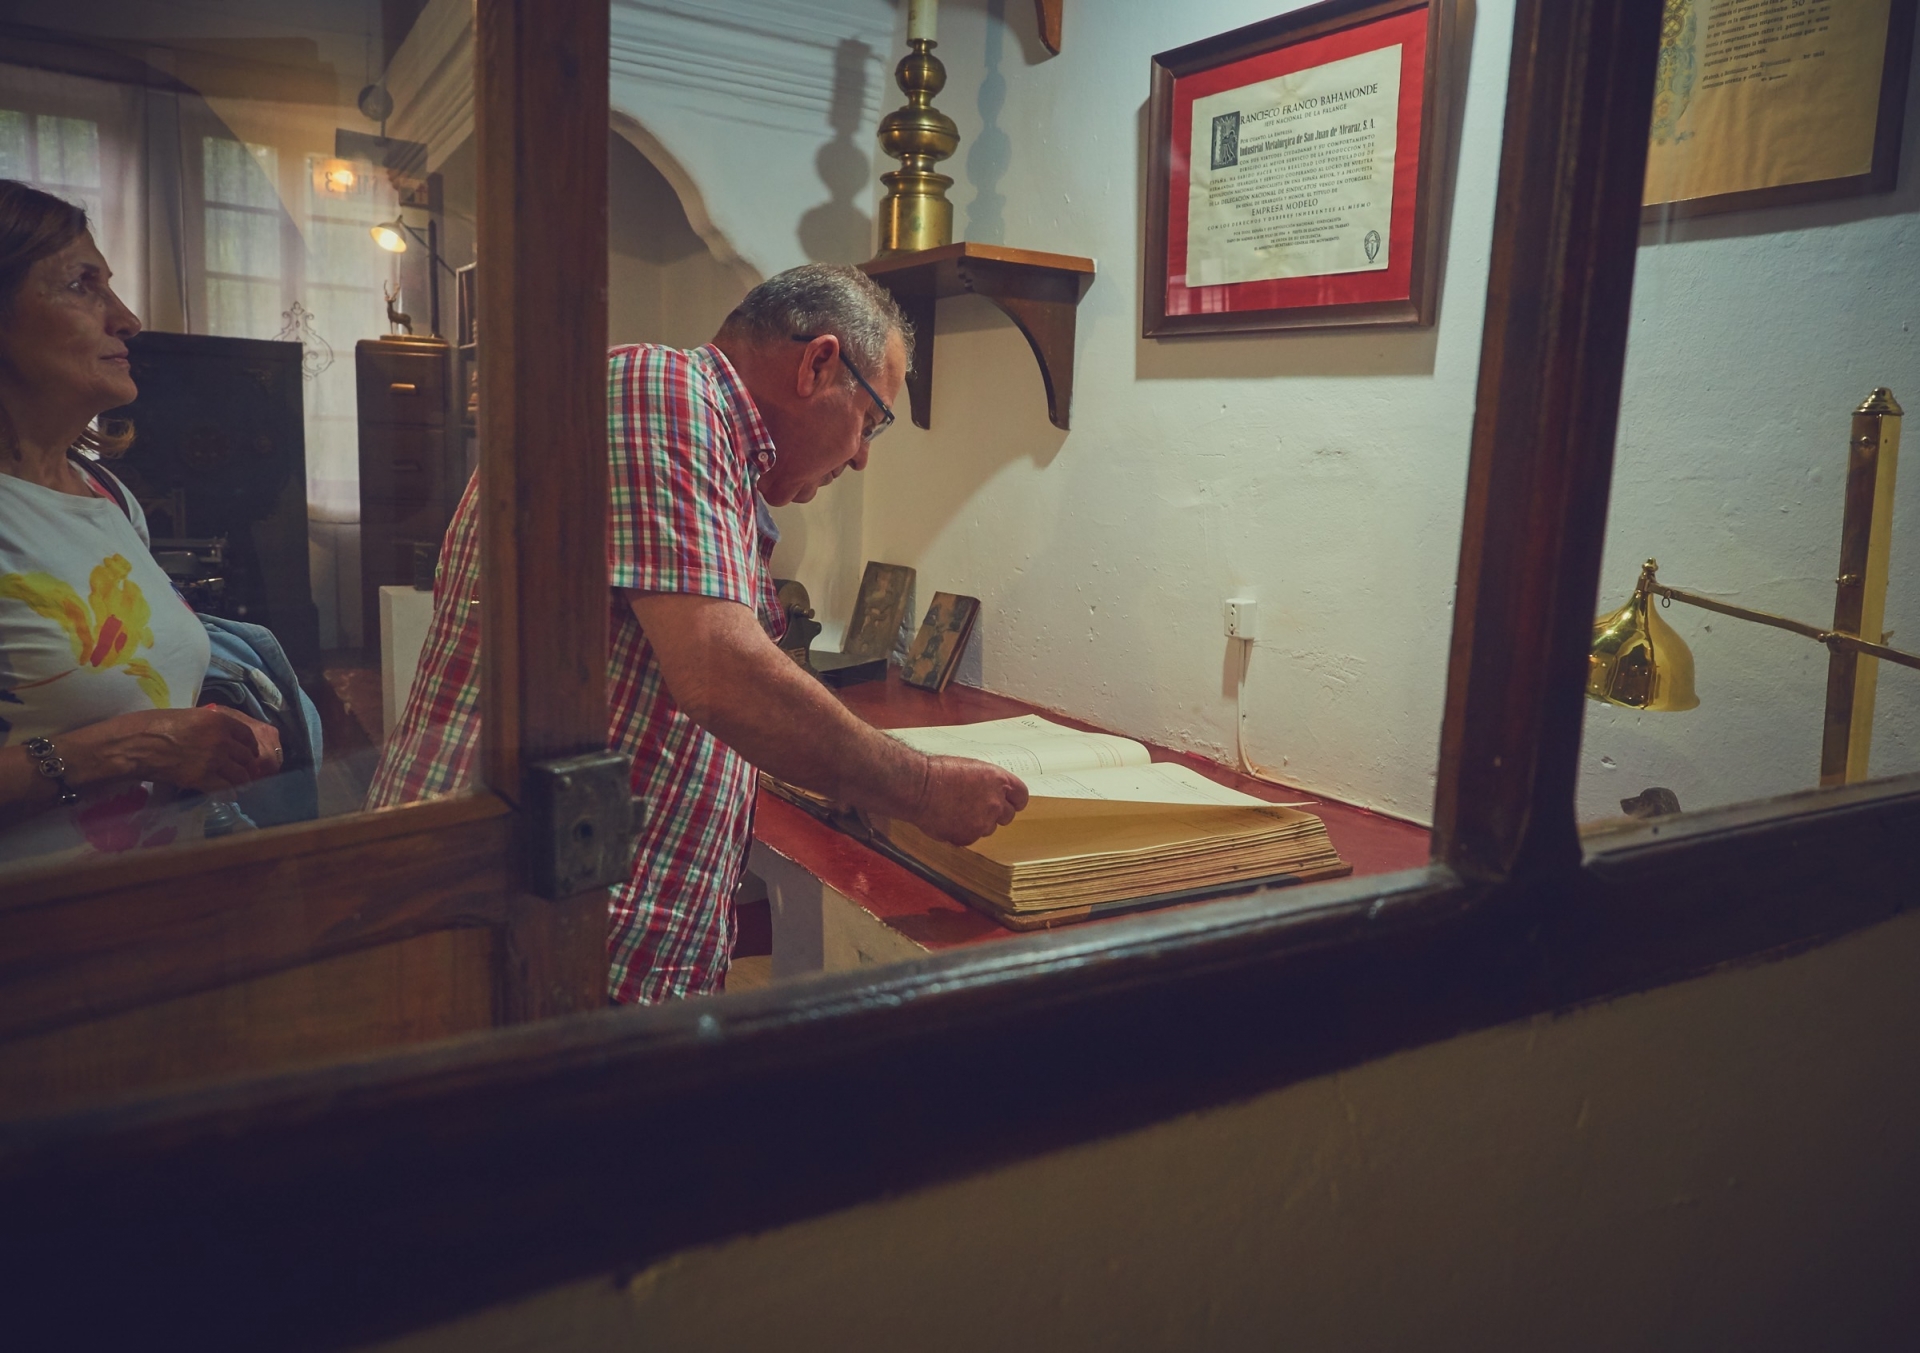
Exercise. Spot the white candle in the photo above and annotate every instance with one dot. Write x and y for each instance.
(920, 19)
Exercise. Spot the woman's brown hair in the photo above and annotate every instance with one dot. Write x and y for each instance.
(36, 225)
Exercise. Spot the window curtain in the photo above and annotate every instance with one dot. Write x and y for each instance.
(83, 140)
(229, 216)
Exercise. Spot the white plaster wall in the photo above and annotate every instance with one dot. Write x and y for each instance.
(772, 106)
(1754, 337)
(762, 113)
(1724, 1164)
(1321, 473)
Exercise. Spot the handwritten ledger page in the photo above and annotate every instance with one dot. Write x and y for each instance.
(1763, 93)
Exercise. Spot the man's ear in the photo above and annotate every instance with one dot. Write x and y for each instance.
(815, 371)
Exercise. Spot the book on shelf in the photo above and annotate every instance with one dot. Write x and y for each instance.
(1106, 827)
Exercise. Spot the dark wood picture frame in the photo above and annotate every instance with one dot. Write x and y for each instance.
(1882, 177)
(1418, 306)
(466, 310)
(934, 655)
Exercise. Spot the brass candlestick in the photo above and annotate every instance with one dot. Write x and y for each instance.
(915, 213)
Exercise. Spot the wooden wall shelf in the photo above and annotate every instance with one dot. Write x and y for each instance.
(1038, 292)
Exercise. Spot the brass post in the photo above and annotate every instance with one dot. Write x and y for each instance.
(915, 213)
(1860, 596)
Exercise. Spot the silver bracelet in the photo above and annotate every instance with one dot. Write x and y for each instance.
(52, 765)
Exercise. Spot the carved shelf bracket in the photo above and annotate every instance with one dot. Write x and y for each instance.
(1039, 292)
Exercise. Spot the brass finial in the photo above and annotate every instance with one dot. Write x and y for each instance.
(915, 213)
(1880, 401)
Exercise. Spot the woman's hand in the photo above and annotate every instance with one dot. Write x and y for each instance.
(209, 749)
(266, 739)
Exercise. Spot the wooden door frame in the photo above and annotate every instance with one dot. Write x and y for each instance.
(82, 943)
(437, 1181)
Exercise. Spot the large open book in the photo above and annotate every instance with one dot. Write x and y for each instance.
(1107, 825)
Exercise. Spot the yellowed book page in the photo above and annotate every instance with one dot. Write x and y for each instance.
(1762, 93)
(1064, 853)
(1060, 829)
(1162, 782)
(1026, 746)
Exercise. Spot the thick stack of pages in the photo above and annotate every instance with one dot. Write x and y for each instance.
(1108, 825)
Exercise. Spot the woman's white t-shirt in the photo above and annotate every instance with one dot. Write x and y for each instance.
(90, 627)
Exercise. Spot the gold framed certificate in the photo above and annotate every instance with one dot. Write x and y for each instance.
(1759, 103)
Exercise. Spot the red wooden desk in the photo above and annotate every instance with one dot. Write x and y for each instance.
(836, 904)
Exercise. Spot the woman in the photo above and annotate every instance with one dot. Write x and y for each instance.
(100, 661)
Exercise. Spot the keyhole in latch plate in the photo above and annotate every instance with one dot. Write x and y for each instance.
(583, 832)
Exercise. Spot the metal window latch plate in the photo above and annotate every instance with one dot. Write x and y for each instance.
(580, 815)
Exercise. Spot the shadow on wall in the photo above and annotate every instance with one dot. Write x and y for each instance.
(989, 414)
(837, 231)
(991, 153)
(671, 277)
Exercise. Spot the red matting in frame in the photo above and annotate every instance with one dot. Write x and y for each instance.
(1393, 283)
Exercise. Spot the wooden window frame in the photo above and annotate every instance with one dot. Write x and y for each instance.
(435, 1182)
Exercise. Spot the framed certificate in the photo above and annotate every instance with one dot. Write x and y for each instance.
(1293, 171)
(1760, 103)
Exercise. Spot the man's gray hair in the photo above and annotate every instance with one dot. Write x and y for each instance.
(826, 298)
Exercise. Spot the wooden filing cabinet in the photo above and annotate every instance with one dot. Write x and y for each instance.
(412, 461)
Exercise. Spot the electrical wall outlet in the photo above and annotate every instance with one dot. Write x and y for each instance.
(1243, 619)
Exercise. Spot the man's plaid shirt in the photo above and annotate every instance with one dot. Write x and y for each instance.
(685, 444)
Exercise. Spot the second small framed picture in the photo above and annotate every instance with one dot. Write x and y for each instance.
(466, 309)
(1294, 171)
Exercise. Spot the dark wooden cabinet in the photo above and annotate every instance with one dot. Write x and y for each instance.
(219, 455)
(412, 465)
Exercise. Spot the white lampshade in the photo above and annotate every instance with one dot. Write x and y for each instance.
(391, 236)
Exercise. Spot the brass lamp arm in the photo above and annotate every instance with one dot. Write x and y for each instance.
(1830, 638)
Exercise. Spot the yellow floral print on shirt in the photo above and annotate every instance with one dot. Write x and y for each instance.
(106, 630)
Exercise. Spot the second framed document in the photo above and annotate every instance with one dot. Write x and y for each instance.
(1294, 170)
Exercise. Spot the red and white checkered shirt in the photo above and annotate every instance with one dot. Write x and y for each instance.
(685, 444)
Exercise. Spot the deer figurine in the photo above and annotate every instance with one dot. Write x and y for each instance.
(395, 315)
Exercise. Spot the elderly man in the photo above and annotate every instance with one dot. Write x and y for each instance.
(791, 392)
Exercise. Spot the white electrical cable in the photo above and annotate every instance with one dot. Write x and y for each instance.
(1247, 767)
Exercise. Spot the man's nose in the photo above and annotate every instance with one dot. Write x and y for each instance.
(859, 461)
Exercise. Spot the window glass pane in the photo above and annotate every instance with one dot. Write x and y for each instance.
(240, 174)
(243, 243)
(69, 151)
(248, 571)
(240, 307)
(1769, 305)
(1316, 476)
(295, 457)
(308, 230)
(14, 162)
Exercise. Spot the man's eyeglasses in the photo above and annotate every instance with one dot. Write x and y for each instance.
(886, 414)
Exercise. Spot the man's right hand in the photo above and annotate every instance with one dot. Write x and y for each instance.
(726, 675)
(965, 800)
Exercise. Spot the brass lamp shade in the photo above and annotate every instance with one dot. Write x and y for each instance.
(1637, 660)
